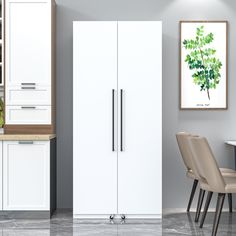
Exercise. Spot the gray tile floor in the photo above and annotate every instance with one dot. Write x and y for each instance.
(183, 224)
(62, 224)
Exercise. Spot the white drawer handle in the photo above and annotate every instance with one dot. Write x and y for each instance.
(28, 107)
(26, 142)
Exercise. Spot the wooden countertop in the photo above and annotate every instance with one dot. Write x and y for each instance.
(36, 137)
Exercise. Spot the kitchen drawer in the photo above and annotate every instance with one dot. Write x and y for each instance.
(28, 95)
(28, 115)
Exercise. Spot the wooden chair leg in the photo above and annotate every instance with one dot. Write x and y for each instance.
(195, 183)
(199, 204)
(219, 206)
(230, 202)
(209, 196)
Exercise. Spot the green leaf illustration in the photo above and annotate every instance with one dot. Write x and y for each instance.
(202, 61)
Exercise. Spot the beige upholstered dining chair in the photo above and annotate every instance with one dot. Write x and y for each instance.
(210, 177)
(182, 140)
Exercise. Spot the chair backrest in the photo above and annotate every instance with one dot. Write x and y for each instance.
(205, 163)
(184, 149)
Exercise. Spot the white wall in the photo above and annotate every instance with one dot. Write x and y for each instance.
(216, 125)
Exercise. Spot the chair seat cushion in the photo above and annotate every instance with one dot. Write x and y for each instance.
(230, 185)
(224, 171)
(228, 172)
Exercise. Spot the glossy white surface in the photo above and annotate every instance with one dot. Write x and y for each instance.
(140, 76)
(95, 75)
(131, 184)
(26, 182)
(28, 45)
(28, 114)
(28, 62)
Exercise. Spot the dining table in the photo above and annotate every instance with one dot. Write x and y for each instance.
(233, 144)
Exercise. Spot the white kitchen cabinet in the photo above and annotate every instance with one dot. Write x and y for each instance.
(26, 175)
(28, 42)
(28, 115)
(30, 66)
(117, 119)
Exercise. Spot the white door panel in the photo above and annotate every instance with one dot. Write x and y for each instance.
(28, 42)
(26, 181)
(95, 75)
(140, 77)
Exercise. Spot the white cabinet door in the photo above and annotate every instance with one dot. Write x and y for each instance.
(28, 42)
(95, 76)
(0, 175)
(27, 115)
(26, 183)
(140, 77)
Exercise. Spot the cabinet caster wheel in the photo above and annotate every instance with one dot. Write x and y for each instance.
(122, 217)
(112, 217)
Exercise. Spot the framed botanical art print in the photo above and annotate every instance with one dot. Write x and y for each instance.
(203, 64)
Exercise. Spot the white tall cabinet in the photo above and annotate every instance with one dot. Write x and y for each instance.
(29, 66)
(117, 119)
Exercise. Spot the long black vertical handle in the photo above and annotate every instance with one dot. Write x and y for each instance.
(121, 120)
(113, 120)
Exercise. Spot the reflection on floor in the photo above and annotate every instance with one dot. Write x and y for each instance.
(183, 224)
(62, 224)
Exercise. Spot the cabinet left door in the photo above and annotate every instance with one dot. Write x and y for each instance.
(26, 169)
(94, 110)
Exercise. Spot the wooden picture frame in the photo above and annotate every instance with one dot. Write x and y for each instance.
(203, 65)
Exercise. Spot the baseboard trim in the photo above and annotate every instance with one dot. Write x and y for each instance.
(169, 211)
(25, 214)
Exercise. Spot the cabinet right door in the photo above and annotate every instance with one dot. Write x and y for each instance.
(140, 118)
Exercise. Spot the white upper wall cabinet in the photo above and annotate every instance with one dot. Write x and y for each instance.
(30, 66)
(28, 42)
